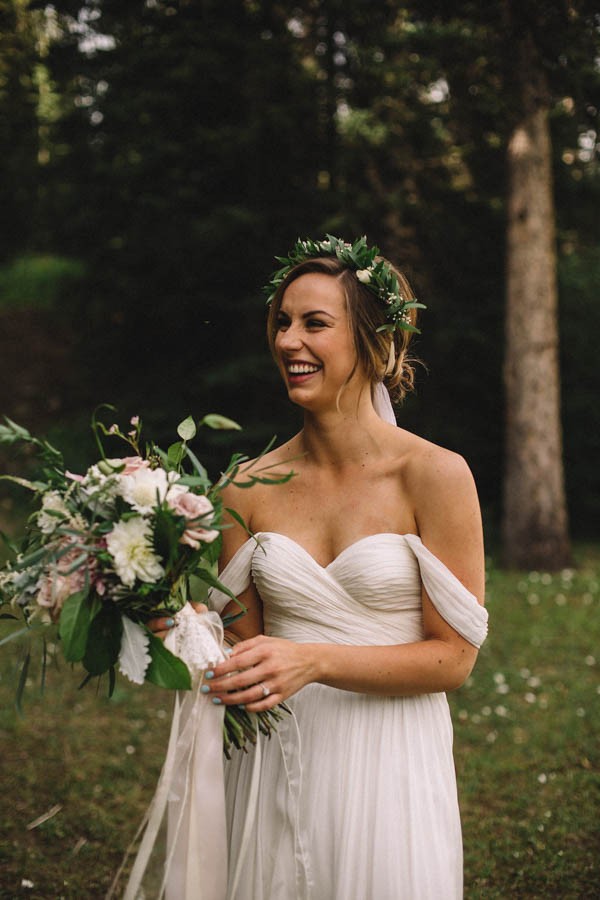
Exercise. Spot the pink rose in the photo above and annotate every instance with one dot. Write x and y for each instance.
(73, 476)
(194, 508)
(132, 464)
(58, 584)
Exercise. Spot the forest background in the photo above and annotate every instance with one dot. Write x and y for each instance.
(157, 155)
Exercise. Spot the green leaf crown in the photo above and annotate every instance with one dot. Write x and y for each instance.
(374, 273)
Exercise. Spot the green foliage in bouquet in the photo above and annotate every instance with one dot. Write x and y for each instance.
(134, 538)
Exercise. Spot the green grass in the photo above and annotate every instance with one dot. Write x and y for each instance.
(526, 748)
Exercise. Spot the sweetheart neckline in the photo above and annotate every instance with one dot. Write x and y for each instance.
(353, 545)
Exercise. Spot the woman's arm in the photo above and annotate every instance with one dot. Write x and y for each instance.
(234, 536)
(447, 514)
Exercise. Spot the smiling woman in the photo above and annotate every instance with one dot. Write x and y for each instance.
(364, 587)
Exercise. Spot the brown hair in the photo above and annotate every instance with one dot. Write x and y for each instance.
(366, 314)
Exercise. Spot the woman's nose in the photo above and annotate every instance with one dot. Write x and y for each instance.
(290, 338)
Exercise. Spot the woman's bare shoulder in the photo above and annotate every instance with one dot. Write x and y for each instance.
(438, 481)
(244, 493)
(444, 498)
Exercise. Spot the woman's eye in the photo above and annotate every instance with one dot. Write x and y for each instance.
(315, 323)
(281, 324)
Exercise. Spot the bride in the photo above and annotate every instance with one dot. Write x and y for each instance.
(364, 582)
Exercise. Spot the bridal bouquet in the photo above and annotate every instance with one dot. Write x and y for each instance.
(134, 537)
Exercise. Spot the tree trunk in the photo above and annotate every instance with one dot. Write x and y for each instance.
(535, 525)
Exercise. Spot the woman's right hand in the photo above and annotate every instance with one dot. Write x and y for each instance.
(163, 624)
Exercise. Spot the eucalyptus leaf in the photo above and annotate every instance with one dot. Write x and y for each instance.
(35, 486)
(220, 423)
(165, 669)
(22, 682)
(212, 580)
(15, 634)
(235, 515)
(198, 467)
(175, 455)
(112, 680)
(187, 429)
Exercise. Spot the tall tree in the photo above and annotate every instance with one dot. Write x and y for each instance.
(504, 67)
(534, 527)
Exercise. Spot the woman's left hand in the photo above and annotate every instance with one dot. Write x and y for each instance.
(262, 672)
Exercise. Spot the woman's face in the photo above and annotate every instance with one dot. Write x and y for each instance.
(314, 344)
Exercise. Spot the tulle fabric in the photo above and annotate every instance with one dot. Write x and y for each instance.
(357, 793)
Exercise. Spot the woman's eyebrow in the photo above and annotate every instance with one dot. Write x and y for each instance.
(317, 312)
(309, 314)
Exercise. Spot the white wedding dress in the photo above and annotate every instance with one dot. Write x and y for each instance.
(355, 796)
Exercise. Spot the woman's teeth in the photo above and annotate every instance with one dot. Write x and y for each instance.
(302, 369)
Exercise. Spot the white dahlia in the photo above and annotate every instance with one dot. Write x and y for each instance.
(129, 544)
(146, 488)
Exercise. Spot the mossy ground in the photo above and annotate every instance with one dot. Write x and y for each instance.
(527, 752)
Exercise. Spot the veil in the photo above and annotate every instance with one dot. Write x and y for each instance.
(382, 403)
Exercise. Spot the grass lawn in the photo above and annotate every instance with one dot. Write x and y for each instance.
(527, 749)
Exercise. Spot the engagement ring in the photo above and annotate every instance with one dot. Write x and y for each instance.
(265, 690)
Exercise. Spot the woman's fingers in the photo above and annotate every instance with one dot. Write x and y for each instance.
(253, 697)
(161, 625)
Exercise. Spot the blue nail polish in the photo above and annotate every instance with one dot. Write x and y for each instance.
(169, 623)
(209, 674)
(227, 651)
(205, 689)
(216, 700)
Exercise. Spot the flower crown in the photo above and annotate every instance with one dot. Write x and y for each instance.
(375, 274)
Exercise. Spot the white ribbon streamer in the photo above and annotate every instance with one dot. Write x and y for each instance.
(190, 792)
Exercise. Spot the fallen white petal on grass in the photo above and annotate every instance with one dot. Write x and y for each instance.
(80, 843)
(44, 817)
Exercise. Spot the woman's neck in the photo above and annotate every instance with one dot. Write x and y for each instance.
(335, 438)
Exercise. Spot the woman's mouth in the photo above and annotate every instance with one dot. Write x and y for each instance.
(298, 372)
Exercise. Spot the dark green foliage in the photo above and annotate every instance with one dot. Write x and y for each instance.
(182, 145)
(165, 669)
(18, 129)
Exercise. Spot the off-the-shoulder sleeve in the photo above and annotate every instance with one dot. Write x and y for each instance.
(458, 606)
(235, 576)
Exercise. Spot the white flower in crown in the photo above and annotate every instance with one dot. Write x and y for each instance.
(129, 544)
(146, 488)
(364, 276)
